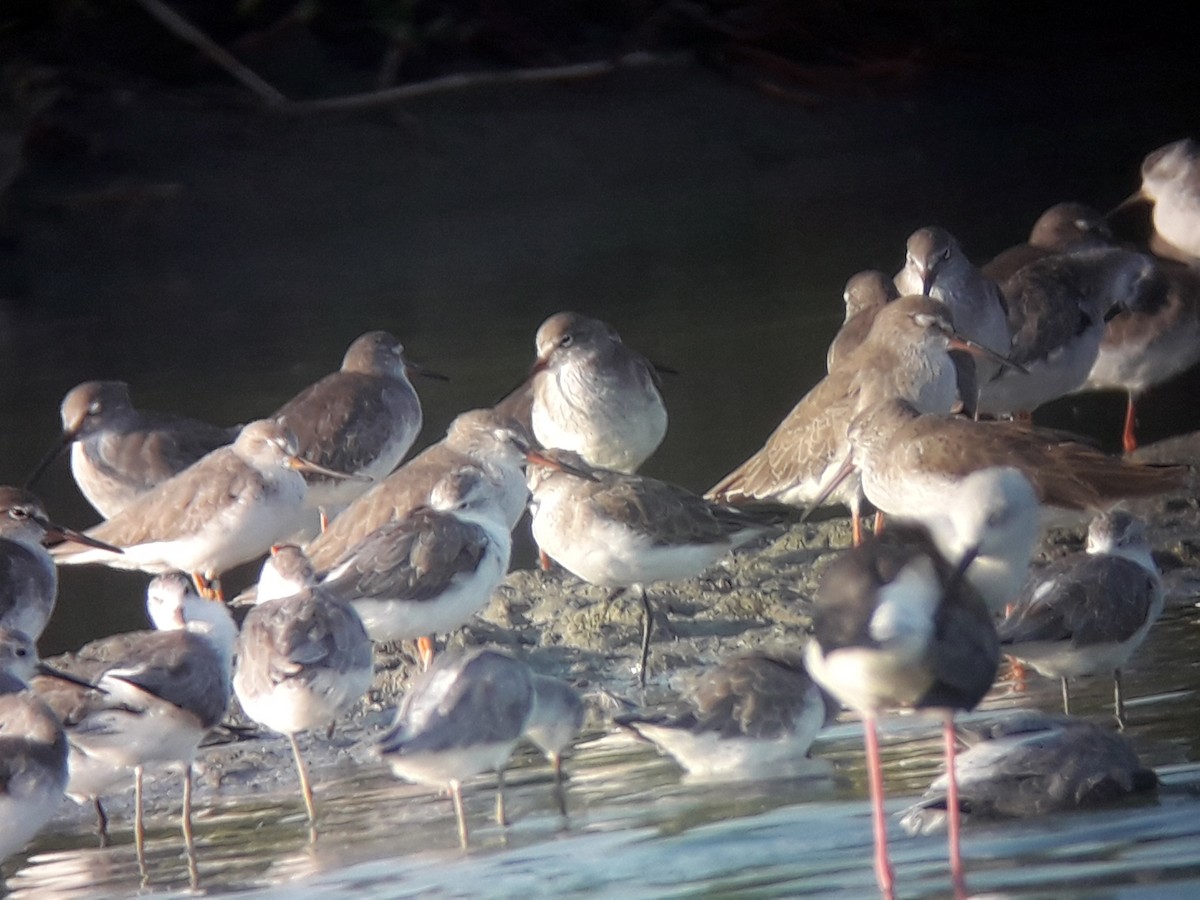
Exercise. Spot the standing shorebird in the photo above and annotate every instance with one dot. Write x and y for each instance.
(753, 716)
(627, 531)
(1057, 310)
(1031, 764)
(1088, 613)
(225, 510)
(895, 625)
(1142, 348)
(901, 450)
(119, 452)
(935, 265)
(303, 659)
(464, 716)
(28, 577)
(360, 420)
(906, 354)
(1171, 181)
(157, 696)
(595, 395)
(865, 295)
(553, 724)
(990, 519)
(33, 748)
(478, 441)
(1064, 227)
(430, 572)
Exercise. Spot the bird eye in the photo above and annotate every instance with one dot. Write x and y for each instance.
(567, 340)
(19, 512)
(946, 253)
(22, 652)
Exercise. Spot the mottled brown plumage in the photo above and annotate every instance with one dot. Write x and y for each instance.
(906, 354)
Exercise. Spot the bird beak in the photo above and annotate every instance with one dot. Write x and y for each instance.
(57, 532)
(960, 571)
(845, 470)
(300, 464)
(957, 342)
(51, 456)
(1136, 197)
(540, 459)
(411, 369)
(50, 672)
(927, 280)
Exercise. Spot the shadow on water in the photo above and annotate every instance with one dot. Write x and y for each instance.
(715, 228)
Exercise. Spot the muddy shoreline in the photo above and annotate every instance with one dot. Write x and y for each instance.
(759, 596)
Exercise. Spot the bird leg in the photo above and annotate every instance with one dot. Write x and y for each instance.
(139, 824)
(878, 523)
(543, 560)
(1118, 700)
(305, 784)
(958, 877)
(560, 788)
(208, 588)
(186, 815)
(459, 813)
(856, 535)
(501, 812)
(425, 651)
(1066, 692)
(324, 519)
(1128, 438)
(189, 844)
(884, 874)
(647, 625)
(101, 822)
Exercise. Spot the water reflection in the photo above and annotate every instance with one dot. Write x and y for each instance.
(721, 251)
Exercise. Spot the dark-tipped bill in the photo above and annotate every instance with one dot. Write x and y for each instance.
(412, 368)
(60, 445)
(57, 532)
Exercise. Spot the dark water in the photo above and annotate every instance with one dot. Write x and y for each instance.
(219, 261)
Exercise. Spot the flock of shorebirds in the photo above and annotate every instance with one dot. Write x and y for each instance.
(361, 548)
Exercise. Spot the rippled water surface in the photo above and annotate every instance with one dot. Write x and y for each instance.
(715, 228)
(636, 828)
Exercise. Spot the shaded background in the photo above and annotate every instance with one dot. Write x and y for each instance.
(157, 225)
